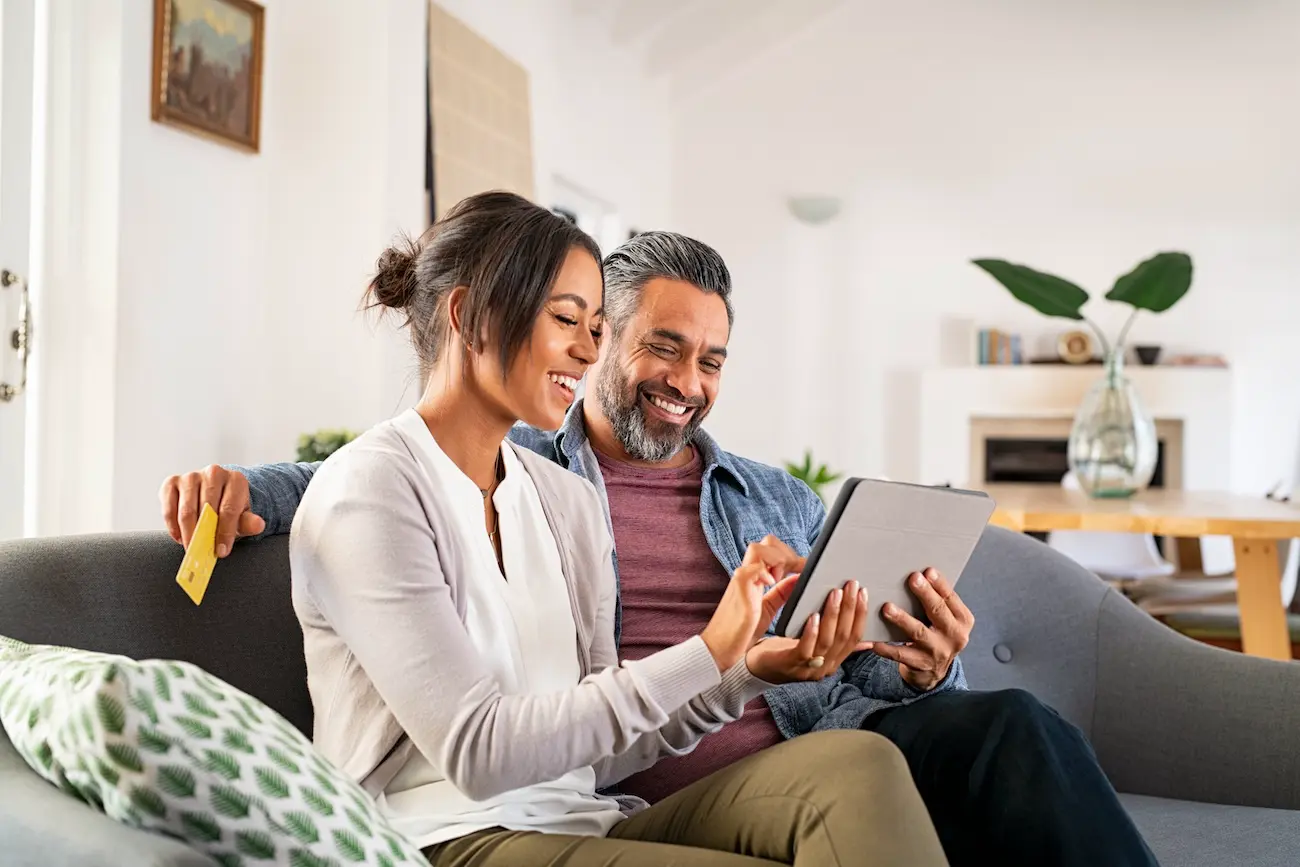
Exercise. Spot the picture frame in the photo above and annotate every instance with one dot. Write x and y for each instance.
(207, 69)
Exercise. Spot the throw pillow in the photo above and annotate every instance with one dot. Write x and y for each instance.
(167, 747)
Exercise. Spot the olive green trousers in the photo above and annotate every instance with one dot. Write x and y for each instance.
(831, 799)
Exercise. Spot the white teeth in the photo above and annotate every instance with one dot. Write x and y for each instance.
(673, 408)
(567, 381)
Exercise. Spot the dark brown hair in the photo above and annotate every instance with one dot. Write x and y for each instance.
(504, 249)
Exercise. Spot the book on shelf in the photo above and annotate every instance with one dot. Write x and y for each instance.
(999, 347)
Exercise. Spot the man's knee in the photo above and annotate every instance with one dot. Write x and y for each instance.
(1014, 702)
(1020, 713)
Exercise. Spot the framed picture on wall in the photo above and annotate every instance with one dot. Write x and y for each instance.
(207, 68)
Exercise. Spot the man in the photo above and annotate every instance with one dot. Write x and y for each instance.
(1005, 778)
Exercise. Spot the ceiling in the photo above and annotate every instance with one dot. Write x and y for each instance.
(695, 43)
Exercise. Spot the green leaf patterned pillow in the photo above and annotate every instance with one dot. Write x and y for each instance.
(167, 747)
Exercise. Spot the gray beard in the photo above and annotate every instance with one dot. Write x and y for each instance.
(621, 403)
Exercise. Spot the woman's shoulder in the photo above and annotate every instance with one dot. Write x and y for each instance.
(560, 487)
(381, 458)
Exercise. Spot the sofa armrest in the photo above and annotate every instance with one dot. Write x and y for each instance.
(41, 826)
(1176, 718)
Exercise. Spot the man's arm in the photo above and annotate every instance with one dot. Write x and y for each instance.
(275, 490)
(256, 501)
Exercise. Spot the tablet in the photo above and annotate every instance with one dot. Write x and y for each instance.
(878, 533)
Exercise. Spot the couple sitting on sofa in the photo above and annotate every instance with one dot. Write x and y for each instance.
(512, 692)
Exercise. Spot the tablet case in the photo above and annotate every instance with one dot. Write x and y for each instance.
(878, 533)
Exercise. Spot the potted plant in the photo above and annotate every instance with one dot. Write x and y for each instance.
(816, 477)
(1112, 449)
(313, 447)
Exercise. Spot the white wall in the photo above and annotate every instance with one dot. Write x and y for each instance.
(240, 274)
(598, 121)
(204, 301)
(1078, 138)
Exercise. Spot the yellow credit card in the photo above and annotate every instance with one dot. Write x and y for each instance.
(200, 556)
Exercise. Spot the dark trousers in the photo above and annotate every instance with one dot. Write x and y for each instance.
(1008, 781)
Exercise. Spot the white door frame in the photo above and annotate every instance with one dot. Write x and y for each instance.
(20, 57)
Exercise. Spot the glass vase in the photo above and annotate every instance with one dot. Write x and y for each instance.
(1113, 447)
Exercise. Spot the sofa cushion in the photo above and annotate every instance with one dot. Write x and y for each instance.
(167, 747)
(35, 819)
(1191, 834)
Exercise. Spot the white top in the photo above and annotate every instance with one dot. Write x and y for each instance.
(522, 627)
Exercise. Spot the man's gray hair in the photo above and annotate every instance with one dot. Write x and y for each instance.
(660, 254)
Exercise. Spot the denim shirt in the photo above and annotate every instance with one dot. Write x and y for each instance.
(741, 501)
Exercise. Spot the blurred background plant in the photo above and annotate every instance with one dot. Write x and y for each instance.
(318, 446)
(815, 476)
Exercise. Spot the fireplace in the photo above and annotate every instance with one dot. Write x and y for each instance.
(1033, 451)
(1033, 406)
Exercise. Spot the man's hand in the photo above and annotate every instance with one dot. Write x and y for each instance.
(925, 659)
(826, 641)
(183, 497)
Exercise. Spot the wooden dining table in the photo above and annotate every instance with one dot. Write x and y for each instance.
(1259, 527)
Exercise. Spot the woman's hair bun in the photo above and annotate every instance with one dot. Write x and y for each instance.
(394, 281)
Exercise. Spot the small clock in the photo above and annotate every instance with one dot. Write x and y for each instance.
(1075, 347)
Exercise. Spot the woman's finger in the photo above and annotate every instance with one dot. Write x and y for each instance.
(848, 614)
(854, 643)
(775, 555)
(754, 573)
(773, 601)
(830, 622)
(808, 640)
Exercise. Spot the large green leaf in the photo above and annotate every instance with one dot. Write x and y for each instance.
(271, 783)
(125, 756)
(281, 759)
(198, 705)
(358, 822)
(223, 763)
(237, 740)
(112, 716)
(301, 826)
(349, 846)
(317, 801)
(176, 781)
(152, 740)
(160, 684)
(201, 827)
(1156, 284)
(194, 728)
(149, 801)
(324, 781)
(229, 802)
(255, 844)
(1048, 294)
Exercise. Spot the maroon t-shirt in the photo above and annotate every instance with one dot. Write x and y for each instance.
(671, 583)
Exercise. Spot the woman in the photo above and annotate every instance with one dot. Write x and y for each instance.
(457, 596)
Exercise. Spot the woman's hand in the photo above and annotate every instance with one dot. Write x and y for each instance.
(747, 606)
(826, 641)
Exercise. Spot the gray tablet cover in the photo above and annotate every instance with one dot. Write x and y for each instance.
(880, 532)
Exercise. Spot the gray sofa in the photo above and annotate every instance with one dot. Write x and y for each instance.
(1204, 744)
